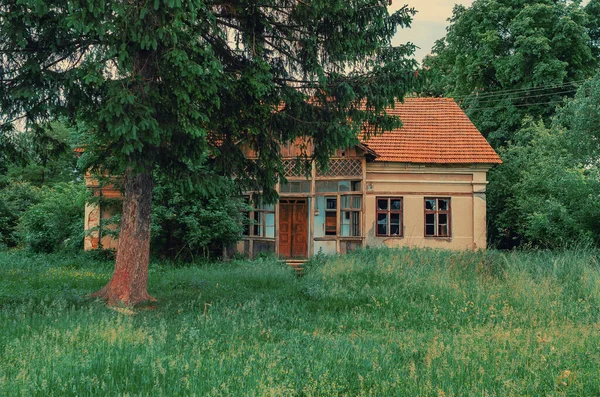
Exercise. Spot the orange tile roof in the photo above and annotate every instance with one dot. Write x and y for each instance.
(435, 130)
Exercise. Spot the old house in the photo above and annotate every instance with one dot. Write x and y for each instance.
(420, 185)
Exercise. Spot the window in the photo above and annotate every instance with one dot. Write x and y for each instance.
(331, 216)
(338, 215)
(338, 186)
(350, 216)
(295, 187)
(261, 219)
(389, 216)
(437, 217)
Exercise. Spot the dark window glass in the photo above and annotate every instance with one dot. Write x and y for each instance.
(382, 224)
(395, 224)
(331, 203)
(430, 205)
(382, 204)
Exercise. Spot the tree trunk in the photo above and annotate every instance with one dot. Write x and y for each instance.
(128, 285)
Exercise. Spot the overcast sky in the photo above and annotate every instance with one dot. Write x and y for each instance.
(428, 25)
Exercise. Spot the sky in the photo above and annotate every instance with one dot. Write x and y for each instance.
(429, 24)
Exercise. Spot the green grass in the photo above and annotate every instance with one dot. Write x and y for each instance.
(376, 322)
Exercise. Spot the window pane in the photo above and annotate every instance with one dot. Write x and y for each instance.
(284, 188)
(382, 204)
(331, 203)
(270, 219)
(344, 186)
(356, 186)
(345, 202)
(430, 219)
(429, 230)
(443, 230)
(295, 187)
(430, 204)
(382, 224)
(305, 187)
(395, 205)
(345, 223)
(321, 186)
(330, 224)
(356, 202)
(270, 231)
(355, 223)
(443, 204)
(443, 219)
(332, 186)
(395, 224)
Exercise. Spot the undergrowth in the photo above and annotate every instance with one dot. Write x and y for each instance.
(374, 322)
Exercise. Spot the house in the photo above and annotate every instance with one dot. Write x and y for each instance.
(421, 185)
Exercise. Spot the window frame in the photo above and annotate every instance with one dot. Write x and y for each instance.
(436, 213)
(353, 222)
(389, 213)
(258, 211)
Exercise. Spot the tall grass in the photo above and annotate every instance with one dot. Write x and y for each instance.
(375, 322)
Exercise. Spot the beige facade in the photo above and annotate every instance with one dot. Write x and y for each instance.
(335, 213)
(421, 185)
(97, 216)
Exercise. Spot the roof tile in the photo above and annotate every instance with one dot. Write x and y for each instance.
(435, 130)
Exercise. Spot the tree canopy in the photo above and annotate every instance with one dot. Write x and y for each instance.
(505, 59)
(170, 83)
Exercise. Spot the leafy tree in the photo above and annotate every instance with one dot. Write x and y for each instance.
(545, 193)
(169, 83)
(505, 59)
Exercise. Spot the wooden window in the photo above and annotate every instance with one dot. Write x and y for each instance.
(338, 215)
(389, 217)
(338, 186)
(350, 207)
(330, 216)
(437, 217)
(261, 219)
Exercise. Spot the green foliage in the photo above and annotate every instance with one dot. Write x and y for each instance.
(45, 156)
(544, 193)
(170, 83)
(374, 322)
(186, 224)
(505, 59)
(56, 221)
(15, 200)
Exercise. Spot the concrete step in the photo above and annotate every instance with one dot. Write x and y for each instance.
(297, 265)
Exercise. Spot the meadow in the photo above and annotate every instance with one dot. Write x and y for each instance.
(375, 322)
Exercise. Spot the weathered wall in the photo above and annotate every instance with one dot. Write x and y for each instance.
(94, 214)
(464, 185)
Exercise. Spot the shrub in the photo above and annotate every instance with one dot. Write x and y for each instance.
(15, 199)
(56, 222)
(197, 222)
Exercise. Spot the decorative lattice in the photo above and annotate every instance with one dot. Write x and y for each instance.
(342, 167)
(292, 169)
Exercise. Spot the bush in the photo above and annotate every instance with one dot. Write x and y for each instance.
(15, 200)
(56, 222)
(199, 222)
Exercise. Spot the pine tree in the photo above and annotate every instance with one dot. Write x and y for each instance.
(169, 83)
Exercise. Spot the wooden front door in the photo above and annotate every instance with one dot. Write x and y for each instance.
(293, 228)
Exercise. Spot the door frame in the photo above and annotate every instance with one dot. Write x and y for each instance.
(293, 200)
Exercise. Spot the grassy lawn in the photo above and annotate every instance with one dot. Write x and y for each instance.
(376, 322)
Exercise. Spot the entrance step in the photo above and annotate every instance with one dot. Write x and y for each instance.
(297, 265)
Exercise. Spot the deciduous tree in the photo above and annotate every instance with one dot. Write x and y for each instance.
(505, 59)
